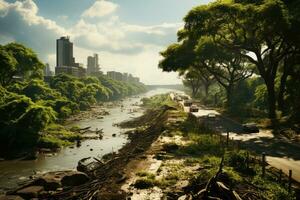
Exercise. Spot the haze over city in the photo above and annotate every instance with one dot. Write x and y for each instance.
(127, 35)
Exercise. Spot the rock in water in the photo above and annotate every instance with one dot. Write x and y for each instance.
(50, 181)
(30, 192)
(74, 179)
(10, 197)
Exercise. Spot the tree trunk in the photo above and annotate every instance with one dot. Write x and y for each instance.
(271, 100)
(206, 87)
(283, 79)
(229, 98)
(194, 91)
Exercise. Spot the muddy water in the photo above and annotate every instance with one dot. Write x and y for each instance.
(13, 173)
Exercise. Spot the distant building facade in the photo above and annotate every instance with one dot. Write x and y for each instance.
(47, 70)
(115, 75)
(93, 66)
(122, 77)
(65, 62)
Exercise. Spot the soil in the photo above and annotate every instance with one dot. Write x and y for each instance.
(108, 179)
(147, 151)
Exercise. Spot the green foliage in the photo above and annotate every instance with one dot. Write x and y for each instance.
(232, 39)
(201, 144)
(56, 136)
(28, 64)
(39, 90)
(8, 65)
(22, 121)
(158, 101)
(29, 106)
(261, 97)
(272, 190)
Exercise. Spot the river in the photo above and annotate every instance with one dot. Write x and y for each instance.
(15, 172)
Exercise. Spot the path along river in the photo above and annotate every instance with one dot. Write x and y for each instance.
(14, 172)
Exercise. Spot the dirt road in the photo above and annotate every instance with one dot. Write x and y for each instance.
(281, 153)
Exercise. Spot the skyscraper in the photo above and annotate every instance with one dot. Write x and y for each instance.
(64, 52)
(93, 64)
(65, 62)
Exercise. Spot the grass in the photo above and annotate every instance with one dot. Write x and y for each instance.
(198, 158)
(272, 190)
(201, 144)
(159, 101)
(57, 136)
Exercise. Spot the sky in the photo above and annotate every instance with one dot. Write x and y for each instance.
(127, 34)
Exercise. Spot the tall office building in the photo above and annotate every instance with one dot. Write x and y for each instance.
(65, 62)
(64, 52)
(93, 64)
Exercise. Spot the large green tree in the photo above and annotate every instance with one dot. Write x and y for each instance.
(7, 66)
(28, 65)
(203, 58)
(257, 32)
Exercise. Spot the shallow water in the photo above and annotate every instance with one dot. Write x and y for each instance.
(13, 173)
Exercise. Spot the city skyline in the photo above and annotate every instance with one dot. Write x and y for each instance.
(125, 42)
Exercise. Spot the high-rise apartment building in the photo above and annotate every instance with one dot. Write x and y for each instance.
(93, 64)
(65, 62)
(64, 52)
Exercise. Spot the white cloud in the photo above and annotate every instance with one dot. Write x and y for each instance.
(100, 8)
(123, 47)
(19, 21)
(3, 8)
(115, 36)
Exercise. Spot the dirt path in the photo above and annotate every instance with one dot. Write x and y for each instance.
(281, 154)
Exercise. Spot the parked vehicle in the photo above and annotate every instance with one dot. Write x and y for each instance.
(194, 108)
(185, 97)
(187, 102)
(250, 128)
(211, 115)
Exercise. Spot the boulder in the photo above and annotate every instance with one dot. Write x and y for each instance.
(30, 192)
(10, 197)
(50, 181)
(74, 179)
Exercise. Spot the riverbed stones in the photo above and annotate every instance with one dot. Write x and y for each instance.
(30, 192)
(74, 179)
(50, 181)
(10, 197)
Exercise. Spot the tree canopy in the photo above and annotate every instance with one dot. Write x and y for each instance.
(233, 39)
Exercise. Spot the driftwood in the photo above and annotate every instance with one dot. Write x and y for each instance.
(216, 190)
(83, 129)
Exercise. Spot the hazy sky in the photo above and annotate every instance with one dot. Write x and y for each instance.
(127, 34)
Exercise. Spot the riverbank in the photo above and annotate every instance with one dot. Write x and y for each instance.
(15, 172)
(65, 134)
(170, 155)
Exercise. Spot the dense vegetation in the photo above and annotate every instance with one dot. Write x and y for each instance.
(244, 54)
(192, 151)
(30, 107)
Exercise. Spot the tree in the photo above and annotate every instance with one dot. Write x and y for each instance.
(208, 59)
(28, 64)
(249, 30)
(7, 67)
(191, 79)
